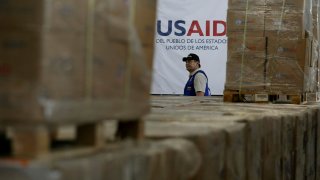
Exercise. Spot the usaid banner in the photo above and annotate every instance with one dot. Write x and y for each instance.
(189, 26)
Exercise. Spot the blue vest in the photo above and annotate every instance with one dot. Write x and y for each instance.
(189, 88)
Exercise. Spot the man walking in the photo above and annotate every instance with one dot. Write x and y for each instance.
(197, 85)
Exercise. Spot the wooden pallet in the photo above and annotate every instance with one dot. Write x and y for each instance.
(38, 140)
(261, 97)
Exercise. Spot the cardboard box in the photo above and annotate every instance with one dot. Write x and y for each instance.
(110, 59)
(17, 47)
(74, 75)
(147, 160)
(116, 22)
(117, 70)
(287, 61)
(236, 22)
(66, 15)
(19, 13)
(36, 14)
(287, 48)
(63, 65)
(298, 5)
(242, 4)
(254, 46)
(149, 54)
(285, 76)
(284, 25)
(144, 20)
(246, 74)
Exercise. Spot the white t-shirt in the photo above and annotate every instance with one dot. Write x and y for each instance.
(200, 81)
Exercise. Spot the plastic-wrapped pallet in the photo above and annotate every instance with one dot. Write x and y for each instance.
(72, 61)
(272, 47)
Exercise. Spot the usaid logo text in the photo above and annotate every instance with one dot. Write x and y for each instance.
(179, 28)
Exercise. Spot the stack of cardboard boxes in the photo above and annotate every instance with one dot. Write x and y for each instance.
(270, 46)
(315, 62)
(73, 60)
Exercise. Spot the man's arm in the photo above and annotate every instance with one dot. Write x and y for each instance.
(199, 93)
(200, 82)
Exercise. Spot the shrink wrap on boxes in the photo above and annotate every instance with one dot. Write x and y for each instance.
(275, 48)
(253, 25)
(75, 61)
(285, 25)
(246, 4)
